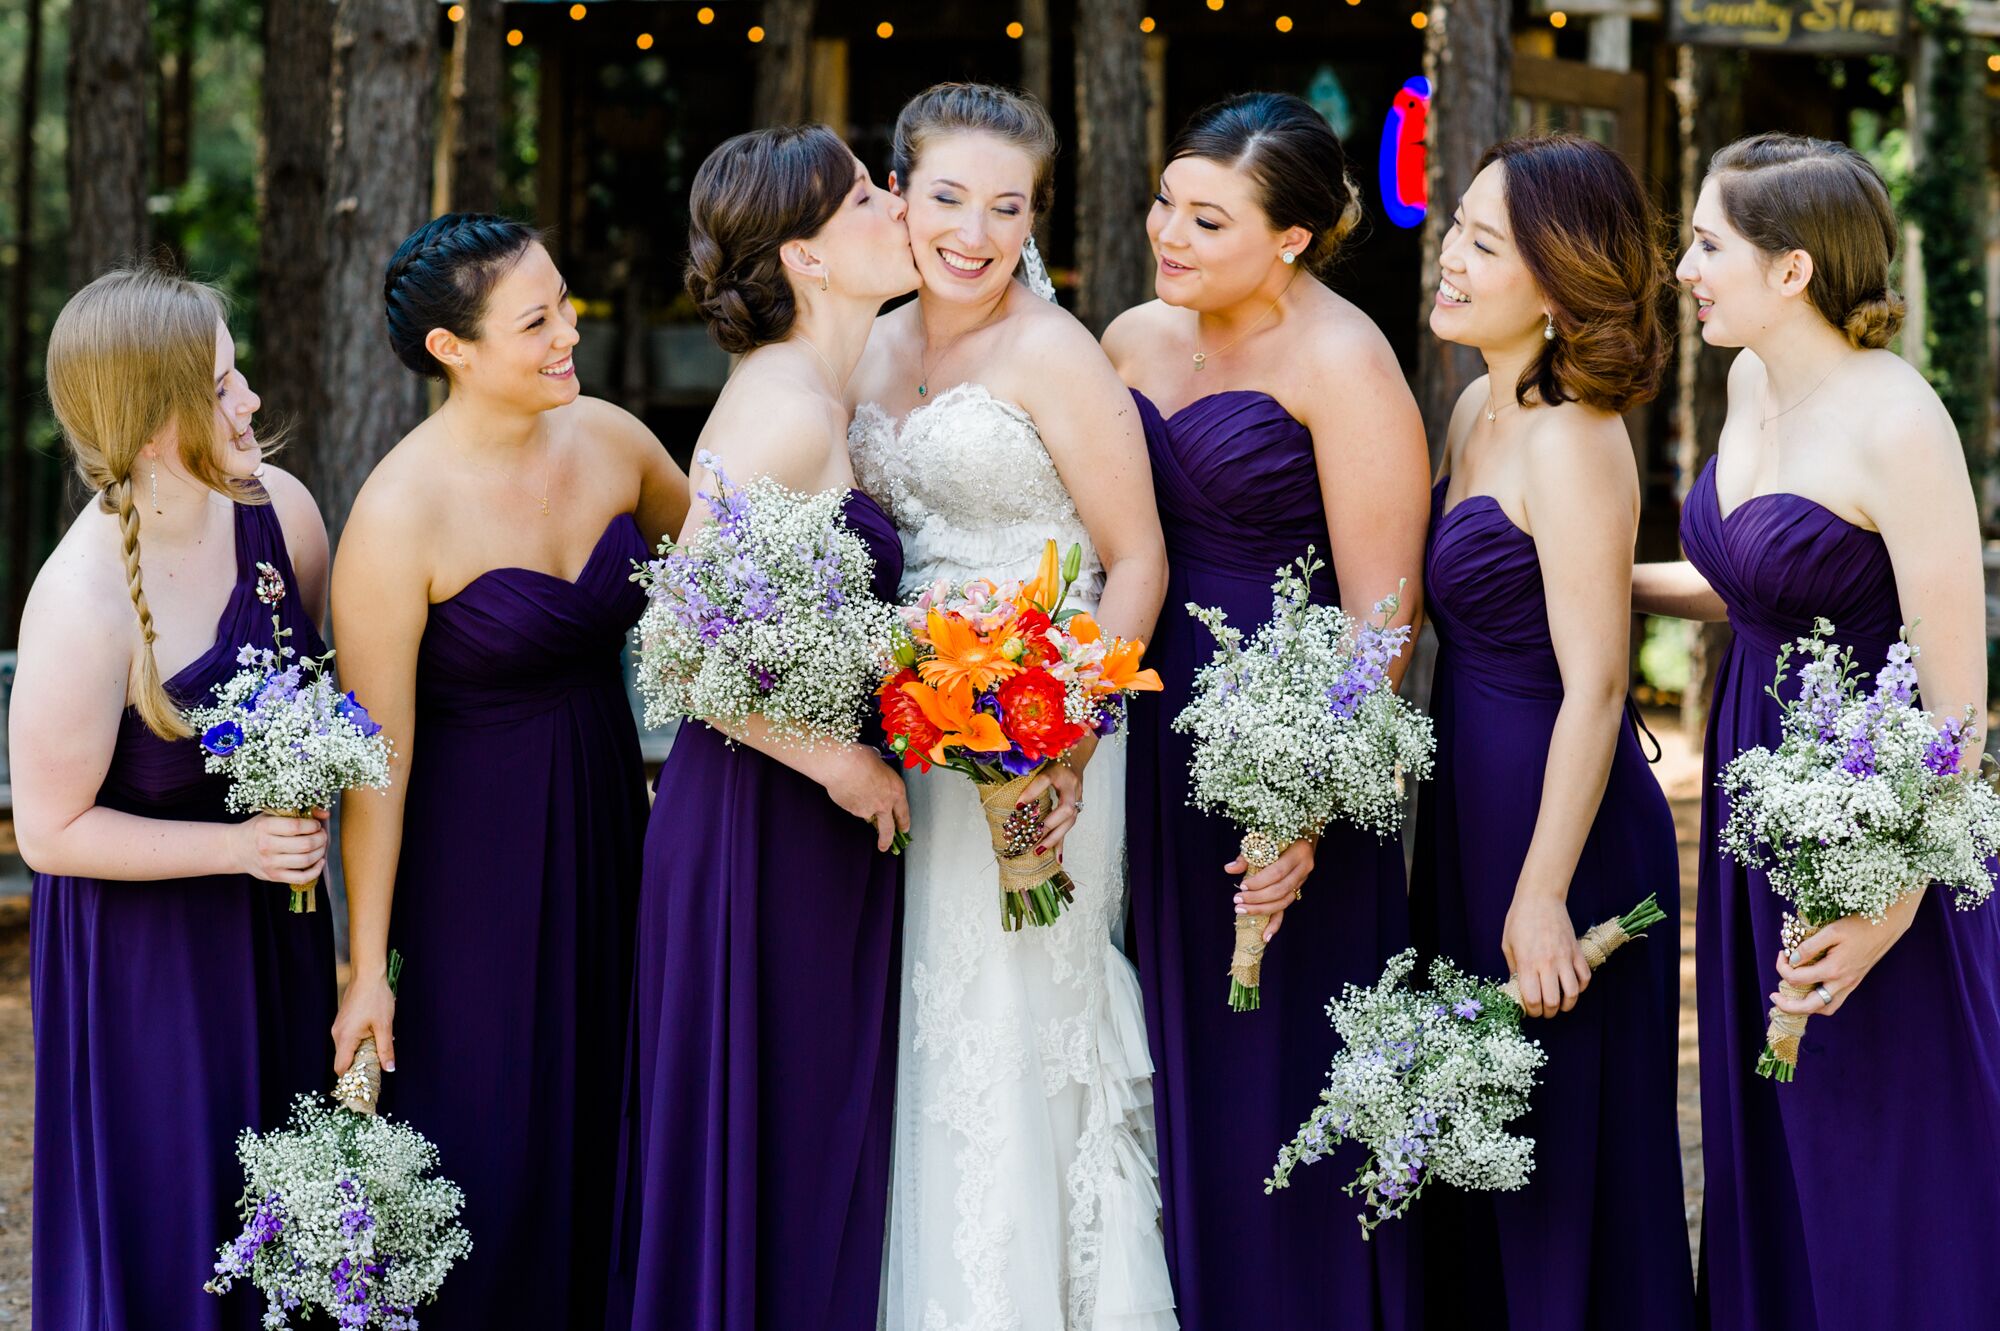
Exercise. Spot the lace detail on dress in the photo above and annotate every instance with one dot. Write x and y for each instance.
(971, 488)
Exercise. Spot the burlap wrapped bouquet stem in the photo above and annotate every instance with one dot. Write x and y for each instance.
(305, 897)
(1780, 1058)
(1601, 940)
(1034, 887)
(1259, 850)
(360, 1087)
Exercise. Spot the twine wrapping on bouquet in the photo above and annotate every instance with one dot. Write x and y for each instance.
(304, 898)
(1033, 885)
(360, 1087)
(1599, 941)
(1781, 1038)
(1259, 850)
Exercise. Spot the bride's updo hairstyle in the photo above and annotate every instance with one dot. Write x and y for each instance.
(1294, 158)
(1784, 192)
(978, 108)
(755, 193)
(1588, 235)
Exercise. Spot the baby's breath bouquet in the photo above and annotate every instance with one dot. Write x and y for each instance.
(284, 734)
(766, 611)
(1862, 802)
(1296, 728)
(343, 1214)
(1428, 1079)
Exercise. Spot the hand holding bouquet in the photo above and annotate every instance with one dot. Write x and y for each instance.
(997, 681)
(1297, 728)
(1862, 802)
(286, 737)
(1428, 1080)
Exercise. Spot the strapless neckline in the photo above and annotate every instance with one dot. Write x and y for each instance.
(1171, 416)
(589, 562)
(1715, 497)
(969, 389)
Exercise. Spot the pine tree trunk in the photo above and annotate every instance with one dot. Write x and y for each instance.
(175, 121)
(20, 303)
(784, 61)
(1111, 252)
(473, 111)
(1468, 58)
(292, 246)
(378, 187)
(110, 69)
(1709, 90)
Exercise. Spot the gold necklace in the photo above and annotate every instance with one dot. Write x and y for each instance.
(1201, 357)
(548, 475)
(1766, 420)
(839, 386)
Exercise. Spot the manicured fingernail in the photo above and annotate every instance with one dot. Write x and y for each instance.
(1242, 910)
(388, 1067)
(1794, 955)
(1040, 849)
(1021, 804)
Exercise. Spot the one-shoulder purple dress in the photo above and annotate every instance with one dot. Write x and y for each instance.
(1239, 497)
(169, 1016)
(755, 1160)
(514, 899)
(1598, 1237)
(1866, 1193)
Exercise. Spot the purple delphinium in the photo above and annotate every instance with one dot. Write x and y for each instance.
(1945, 752)
(1368, 671)
(266, 1223)
(1468, 1008)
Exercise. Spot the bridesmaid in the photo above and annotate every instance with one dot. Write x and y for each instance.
(481, 600)
(755, 1167)
(1277, 419)
(1867, 1192)
(176, 999)
(1543, 818)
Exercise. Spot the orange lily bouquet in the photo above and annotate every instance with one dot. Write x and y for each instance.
(999, 680)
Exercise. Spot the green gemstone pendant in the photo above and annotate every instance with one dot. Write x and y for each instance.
(923, 391)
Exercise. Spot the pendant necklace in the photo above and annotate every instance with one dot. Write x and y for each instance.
(1201, 357)
(923, 371)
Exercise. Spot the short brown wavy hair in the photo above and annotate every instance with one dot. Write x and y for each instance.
(1591, 239)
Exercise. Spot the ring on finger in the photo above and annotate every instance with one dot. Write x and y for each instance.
(1825, 994)
(1077, 807)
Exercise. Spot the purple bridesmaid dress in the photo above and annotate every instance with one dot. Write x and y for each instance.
(514, 898)
(169, 1016)
(1865, 1194)
(1239, 496)
(755, 1162)
(1598, 1237)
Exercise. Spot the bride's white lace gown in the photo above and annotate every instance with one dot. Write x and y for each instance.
(1024, 1191)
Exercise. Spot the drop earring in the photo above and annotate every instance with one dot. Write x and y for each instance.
(156, 489)
(1549, 329)
(822, 280)
(1288, 256)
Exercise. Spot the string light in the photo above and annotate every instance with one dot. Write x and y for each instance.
(514, 37)
(755, 34)
(1558, 19)
(1015, 30)
(645, 41)
(455, 13)
(885, 29)
(1284, 23)
(1146, 25)
(1993, 63)
(1214, 6)
(1420, 20)
(704, 16)
(577, 12)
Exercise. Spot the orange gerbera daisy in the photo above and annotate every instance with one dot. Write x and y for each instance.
(960, 657)
(962, 726)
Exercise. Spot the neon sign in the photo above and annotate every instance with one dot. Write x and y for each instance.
(1405, 194)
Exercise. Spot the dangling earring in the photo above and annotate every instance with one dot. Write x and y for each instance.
(822, 280)
(1287, 256)
(1549, 329)
(156, 489)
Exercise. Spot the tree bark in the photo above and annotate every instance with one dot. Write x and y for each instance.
(473, 111)
(1038, 77)
(110, 67)
(175, 122)
(784, 60)
(384, 77)
(1111, 251)
(20, 302)
(1709, 91)
(292, 246)
(1468, 58)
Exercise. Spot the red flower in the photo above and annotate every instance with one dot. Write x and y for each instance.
(904, 724)
(1031, 706)
(1031, 627)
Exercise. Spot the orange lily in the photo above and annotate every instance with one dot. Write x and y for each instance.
(1121, 669)
(961, 658)
(1083, 628)
(1042, 591)
(964, 726)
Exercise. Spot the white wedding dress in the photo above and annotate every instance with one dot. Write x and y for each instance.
(1024, 1194)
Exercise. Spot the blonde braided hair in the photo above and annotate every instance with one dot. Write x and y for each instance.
(131, 362)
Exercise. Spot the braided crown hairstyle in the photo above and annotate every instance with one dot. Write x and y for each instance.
(441, 277)
(131, 358)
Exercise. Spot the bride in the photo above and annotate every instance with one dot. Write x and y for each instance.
(1024, 1192)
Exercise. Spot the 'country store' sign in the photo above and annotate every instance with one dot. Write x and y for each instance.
(1846, 26)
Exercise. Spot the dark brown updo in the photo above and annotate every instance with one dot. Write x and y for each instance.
(1589, 236)
(1785, 192)
(1294, 158)
(978, 108)
(755, 193)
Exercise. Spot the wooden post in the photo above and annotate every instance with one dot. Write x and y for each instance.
(1468, 58)
(784, 63)
(1111, 251)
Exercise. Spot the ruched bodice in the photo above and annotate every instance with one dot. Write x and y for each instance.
(149, 775)
(1483, 589)
(971, 487)
(1781, 560)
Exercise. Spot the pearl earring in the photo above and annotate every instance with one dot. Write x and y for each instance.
(1549, 330)
(1287, 256)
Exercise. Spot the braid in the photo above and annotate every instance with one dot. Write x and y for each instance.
(156, 709)
(440, 277)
